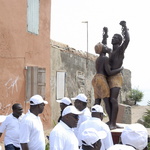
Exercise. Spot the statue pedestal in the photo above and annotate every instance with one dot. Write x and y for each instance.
(116, 133)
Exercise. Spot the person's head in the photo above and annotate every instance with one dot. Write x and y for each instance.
(135, 135)
(64, 102)
(101, 48)
(91, 139)
(80, 101)
(17, 110)
(37, 104)
(70, 116)
(97, 111)
(116, 39)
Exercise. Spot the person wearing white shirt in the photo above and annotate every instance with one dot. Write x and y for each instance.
(62, 136)
(133, 137)
(31, 127)
(81, 104)
(64, 102)
(96, 122)
(91, 139)
(11, 126)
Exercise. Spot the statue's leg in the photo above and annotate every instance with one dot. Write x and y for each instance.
(114, 92)
(97, 101)
(108, 108)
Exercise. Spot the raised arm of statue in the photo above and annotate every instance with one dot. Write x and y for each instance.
(105, 35)
(126, 37)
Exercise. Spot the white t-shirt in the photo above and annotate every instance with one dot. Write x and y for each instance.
(31, 132)
(86, 114)
(97, 124)
(11, 126)
(62, 137)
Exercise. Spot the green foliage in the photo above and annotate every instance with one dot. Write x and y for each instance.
(136, 94)
(149, 146)
(146, 118)
(47, 146)
(146, 123)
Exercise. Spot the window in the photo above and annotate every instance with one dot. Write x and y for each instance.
(33, 16)
(60, 85)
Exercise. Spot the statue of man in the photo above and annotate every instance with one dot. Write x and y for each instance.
(103, 69)
(115, 82)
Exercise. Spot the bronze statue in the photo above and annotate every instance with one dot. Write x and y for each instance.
(115, 81)
(103, 69)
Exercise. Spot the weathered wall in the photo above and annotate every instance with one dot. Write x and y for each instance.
(18, 49)
(126, 85)
(79, 74)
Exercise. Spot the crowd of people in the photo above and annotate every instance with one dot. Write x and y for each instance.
(78, 128)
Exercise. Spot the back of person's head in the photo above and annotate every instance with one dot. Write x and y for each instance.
(91, 139)
(98, 48)
(135, 135)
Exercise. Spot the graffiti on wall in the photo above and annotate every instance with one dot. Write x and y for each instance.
(11, 86)
(80, 78)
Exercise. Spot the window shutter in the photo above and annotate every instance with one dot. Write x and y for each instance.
(33, 16)
(35, 81)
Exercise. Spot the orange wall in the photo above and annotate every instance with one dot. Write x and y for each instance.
(19, 48)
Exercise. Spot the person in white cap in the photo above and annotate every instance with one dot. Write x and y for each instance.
(81, 104)
(96, 122)
(10, 127)
(31, 127)
(62, 136)
(120, 147)
(64, 102)
(91, 139)
(134, 136)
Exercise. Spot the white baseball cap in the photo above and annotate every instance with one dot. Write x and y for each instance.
(120, 147)
(91, 136)
(135, 135)
(80, 97)
(71, 110)
(64, 100)
(98, 108)
(37, 99)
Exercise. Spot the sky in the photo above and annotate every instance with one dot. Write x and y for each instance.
(67, 27)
